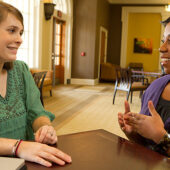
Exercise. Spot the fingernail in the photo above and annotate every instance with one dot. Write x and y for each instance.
(63, 163)
(70, 160)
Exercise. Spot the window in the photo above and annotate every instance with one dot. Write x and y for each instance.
(28, 52)
(61, 5)
(58, 44)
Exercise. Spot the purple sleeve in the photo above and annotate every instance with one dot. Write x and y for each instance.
(153, 93)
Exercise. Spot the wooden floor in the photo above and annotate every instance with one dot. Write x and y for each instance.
(82, 108)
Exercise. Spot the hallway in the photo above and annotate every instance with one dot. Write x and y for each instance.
(83, 108)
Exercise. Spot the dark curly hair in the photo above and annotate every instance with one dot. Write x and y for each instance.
(165, 22)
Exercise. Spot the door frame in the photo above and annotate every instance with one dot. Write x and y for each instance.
(125, 20)
(62, 46)
(53, 50)
(68, 19)
(102, 29)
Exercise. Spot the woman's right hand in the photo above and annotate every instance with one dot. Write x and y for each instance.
(42, 154)
(151, 127)
(127, 129)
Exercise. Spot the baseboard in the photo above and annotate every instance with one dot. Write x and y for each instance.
(85, 81)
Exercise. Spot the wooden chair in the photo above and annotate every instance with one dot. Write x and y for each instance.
(39, 80)
(138, 77)
(136, 66)
(47, 86)
(125, 82)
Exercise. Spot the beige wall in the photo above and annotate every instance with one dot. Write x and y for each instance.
(46, 39)
(46, 44)
(46, 33)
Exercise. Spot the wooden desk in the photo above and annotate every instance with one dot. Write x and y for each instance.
(101, 150)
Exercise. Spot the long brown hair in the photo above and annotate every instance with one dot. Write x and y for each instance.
(4, 10)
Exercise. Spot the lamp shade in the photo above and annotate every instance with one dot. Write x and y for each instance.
(48, 10)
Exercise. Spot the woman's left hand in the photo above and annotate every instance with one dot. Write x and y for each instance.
(150, 127)
(46, 134)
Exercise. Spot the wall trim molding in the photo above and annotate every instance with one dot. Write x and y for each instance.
(106, 42)
(84, 81)
(125, 19)
(68, 41)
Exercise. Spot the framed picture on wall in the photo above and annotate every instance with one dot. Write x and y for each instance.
(143, 45)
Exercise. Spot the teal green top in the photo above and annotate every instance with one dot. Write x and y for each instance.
(21, 105)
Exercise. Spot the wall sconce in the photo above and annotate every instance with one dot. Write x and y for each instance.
(48, 9)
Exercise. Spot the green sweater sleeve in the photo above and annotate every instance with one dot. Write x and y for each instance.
(32, 97)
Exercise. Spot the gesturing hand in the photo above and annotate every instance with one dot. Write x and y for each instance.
(150, 127)
(46, 134)
(125, 127)
(42, 154)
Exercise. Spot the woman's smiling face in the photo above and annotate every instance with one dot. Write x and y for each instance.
(165, 50)
(11, 30)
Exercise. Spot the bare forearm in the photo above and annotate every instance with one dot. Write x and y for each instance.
(159, 134)
(6, 146)
(40, 121)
